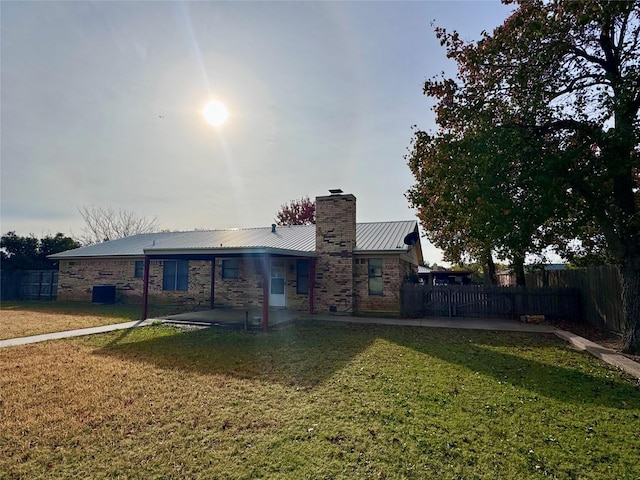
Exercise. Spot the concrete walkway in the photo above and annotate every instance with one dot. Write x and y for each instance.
(439, 322)
(606, 355)
(12, 342)
(609, 356)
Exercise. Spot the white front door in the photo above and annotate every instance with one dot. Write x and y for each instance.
(276, 284)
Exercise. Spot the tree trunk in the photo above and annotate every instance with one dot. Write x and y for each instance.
(630, 280)
(518, 269)
(490, 271)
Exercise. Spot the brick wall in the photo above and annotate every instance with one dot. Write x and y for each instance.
(198, 293)
(335, 241)
(295, 301)
(77, 278)
(394, 271)
(245, 291)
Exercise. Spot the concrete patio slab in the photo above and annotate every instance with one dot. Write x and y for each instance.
(233, 317)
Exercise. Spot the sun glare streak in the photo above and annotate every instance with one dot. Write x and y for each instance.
(235, 179)
(196, 46)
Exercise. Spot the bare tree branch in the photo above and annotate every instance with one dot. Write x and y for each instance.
(104, 224)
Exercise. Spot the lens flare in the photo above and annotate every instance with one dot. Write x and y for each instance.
(215, 113)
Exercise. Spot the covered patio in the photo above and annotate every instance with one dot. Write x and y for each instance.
(236, 318)
(271, 308)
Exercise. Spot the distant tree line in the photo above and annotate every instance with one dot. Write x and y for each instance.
(30, 253)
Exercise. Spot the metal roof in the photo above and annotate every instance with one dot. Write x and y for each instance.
(383, 236)
(128, 246)
(298, 239)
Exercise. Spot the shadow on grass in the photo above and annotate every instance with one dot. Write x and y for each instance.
(530, 362)
(307, 354)
(300, 355)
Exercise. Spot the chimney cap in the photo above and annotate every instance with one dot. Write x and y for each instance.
(336, 191)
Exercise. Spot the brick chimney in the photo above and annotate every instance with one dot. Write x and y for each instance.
(335, 241)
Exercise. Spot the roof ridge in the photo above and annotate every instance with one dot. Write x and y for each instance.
(387, 221)
(235, 229)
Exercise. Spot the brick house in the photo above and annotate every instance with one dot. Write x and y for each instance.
(337, 265)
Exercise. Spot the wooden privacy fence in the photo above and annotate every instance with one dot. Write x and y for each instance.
(489, 301)
(601, 293)
(29, 284)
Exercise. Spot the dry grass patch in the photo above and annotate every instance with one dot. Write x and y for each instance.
(26, 318)
(314, 401)
(20, 323)
(93, 416)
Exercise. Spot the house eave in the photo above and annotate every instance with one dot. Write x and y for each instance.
(397, 251)
(226, 252)
(407, 254)
(125, 256)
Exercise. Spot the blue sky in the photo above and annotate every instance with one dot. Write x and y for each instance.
(101, 105)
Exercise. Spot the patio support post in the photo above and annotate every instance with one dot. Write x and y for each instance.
(145, 288)
(266, 276)
(213, 281)
(312, 277)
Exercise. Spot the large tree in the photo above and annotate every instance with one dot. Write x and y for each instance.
(297, 212)
(562, 78)
(472, 198)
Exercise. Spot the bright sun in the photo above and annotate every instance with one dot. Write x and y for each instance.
(215, 113)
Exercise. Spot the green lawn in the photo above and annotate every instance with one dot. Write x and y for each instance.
(315, 400)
